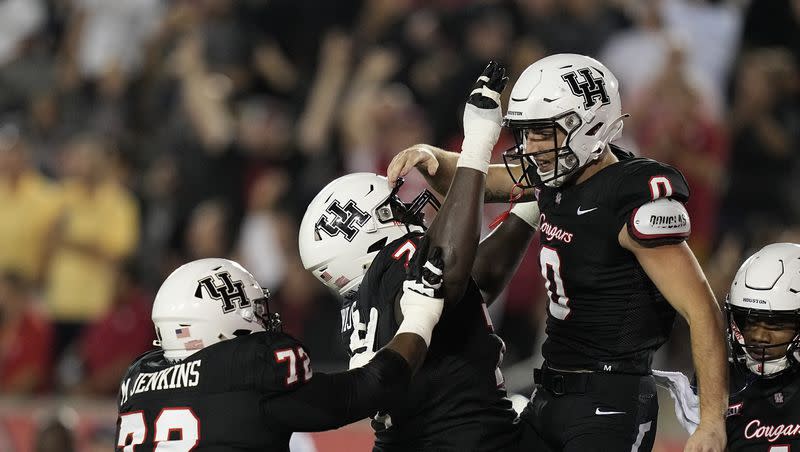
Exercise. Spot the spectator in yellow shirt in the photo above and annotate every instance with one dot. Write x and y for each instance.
(31, 205)
(99, 229)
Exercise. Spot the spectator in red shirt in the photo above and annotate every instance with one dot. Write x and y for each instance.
(108, 345)
(26, 337)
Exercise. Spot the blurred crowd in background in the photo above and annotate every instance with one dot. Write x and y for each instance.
(136, 135)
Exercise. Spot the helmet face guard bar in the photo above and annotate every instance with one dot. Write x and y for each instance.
(394, 209)
(516, 155)
(738, 319)
(270, 321)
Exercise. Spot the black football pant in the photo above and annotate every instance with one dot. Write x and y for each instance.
(590, 412)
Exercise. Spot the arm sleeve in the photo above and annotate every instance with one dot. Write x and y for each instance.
(330, 401)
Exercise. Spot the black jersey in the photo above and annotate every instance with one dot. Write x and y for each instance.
(604, 312)
(456, 400)
(248, 394)
(212, 399)
(763, 413)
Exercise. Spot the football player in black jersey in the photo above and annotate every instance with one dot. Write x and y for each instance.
(614, 258)
(763, 310)
(357, 237)
(226, 378)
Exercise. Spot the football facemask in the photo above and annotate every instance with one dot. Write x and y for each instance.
(765, 360)
(553, 165)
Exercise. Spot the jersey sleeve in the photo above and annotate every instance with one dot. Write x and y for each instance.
(642, 191)
(380, 288)
(268, 363)
(334, 400)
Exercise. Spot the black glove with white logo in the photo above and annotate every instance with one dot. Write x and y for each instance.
(422, 301)
(482, 118)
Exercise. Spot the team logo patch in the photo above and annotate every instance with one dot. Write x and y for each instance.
(228, 291)
(343, 221)
(592, 89)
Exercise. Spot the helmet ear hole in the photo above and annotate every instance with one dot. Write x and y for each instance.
(593, 131)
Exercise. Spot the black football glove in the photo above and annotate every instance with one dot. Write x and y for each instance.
(426, 271)
(483, 118)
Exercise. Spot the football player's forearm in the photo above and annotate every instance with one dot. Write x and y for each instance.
(331, 401)
(710, 361)
(678, 276)
(499, 255)
(410, 347)
(498, 183)
(456, 229)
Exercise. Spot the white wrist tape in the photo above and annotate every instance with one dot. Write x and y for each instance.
(527, 212)
(481, 131)
(420, 314)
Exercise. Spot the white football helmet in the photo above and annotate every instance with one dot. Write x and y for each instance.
(766, 289)
(349, 221)
(572, 92)
(207, 301)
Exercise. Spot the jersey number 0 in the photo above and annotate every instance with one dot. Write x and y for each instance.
(551, 271)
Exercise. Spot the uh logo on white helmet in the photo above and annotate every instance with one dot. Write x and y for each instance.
(350, 221)
(572, 93)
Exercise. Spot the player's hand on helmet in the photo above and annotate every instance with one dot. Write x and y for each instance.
(420, 156)
(483, 117)
(707, 438)
(422, 301)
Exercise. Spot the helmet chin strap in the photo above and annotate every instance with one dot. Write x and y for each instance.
(765, 368)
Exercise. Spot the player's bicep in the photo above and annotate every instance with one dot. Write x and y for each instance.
(674, 270)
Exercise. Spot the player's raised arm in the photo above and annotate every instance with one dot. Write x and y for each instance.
(500, 253)
(675, 271)
(332, 400)
(457, 226)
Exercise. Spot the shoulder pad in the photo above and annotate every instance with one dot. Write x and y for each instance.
(660, 222)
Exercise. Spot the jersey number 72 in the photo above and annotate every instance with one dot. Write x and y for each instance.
(178, 423)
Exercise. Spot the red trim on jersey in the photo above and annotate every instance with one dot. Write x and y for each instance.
(130, 435)
(176, 408)
(284, 358)
(563, 286)
(655, 192)
(305, 359)
(408, 247)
